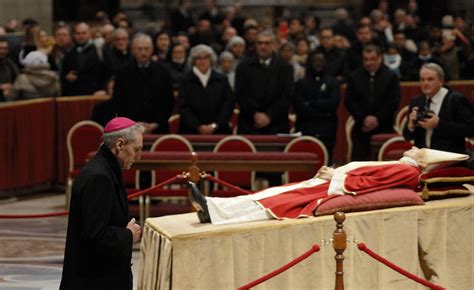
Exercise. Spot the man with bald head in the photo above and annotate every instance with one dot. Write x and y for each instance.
(143, 88)
(83, 72)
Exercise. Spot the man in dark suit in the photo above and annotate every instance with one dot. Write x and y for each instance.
(100, 232)
(83, 72)
(143, 89)
(372, 97)
(263, 87)
(439, 118)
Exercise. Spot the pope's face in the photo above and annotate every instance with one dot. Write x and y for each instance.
(129, 152)
(416, 154)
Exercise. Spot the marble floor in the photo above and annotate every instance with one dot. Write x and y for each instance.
(31, 250)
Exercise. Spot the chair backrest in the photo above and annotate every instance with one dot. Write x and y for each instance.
(170, 142)
(400, 120)
(393, 149)
(306, 144)
(348, 130)
(236, 143)
(82, 138)
(173, 123)
(234, 120)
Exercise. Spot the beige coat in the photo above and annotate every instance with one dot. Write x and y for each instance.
(37, 82)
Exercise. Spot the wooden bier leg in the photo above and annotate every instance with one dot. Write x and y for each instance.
(339, 244)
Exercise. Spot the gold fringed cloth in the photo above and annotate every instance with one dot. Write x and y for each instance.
(434, 241)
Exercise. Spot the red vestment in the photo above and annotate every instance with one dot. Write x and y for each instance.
(302, 202)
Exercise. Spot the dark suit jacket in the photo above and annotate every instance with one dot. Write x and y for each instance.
(456, 121)
(263, 89)
(383, 102)
(315, 104)
(90, 70)
(202, 106)
(144, 94)
(98, 244)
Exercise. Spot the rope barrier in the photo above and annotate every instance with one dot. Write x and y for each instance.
(363, 247)
(315, 248)
(65, 213)
(226, 184)
(151, 189)
(25, 216)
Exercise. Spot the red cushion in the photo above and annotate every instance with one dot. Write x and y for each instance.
(386, 198)
(445, 182)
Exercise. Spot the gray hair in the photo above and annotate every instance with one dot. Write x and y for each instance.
(128, 134)
(269, 33)
(118, 31)
(234, 40)
(200, 49)
(141, 36)
(226, 55)
(434, 67)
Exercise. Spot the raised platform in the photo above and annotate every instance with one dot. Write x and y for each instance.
(434, 241)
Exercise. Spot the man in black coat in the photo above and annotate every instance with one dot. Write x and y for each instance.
(439, 118)
(316, 100)
(263, 88)
(143, 89)
(372, 98)
(83, 72)
(100, 232)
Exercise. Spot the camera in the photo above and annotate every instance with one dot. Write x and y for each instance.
(423, 114)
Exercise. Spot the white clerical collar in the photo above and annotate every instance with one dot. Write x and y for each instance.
(203, 77)
(439, 97)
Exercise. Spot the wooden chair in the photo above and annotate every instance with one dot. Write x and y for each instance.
(400, 120)
(306, 144)
(393, 149)
(173, 123)
(82, 138)
(348, 130)
(170, 194)
(234, 143)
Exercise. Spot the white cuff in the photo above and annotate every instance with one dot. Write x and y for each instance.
(337, 183)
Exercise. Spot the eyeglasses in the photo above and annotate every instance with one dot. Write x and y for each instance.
(263, 42)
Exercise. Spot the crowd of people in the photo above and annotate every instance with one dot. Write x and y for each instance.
(203, 66)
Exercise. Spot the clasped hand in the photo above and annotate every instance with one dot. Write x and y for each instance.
(325, 173)
(135, 229)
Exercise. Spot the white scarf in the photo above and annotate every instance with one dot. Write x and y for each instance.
(203, 77)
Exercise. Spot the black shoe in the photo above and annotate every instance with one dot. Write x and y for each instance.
(199, 203)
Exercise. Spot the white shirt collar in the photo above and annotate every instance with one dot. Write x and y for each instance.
(439, 97)
(204, 78)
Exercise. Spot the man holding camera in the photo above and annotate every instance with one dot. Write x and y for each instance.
(439, 118)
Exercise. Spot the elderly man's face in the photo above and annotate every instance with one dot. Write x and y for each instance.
(142, 50)
(129, 152)
(416, 154)
(264, 46)
(430, 82)
(121, 41)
